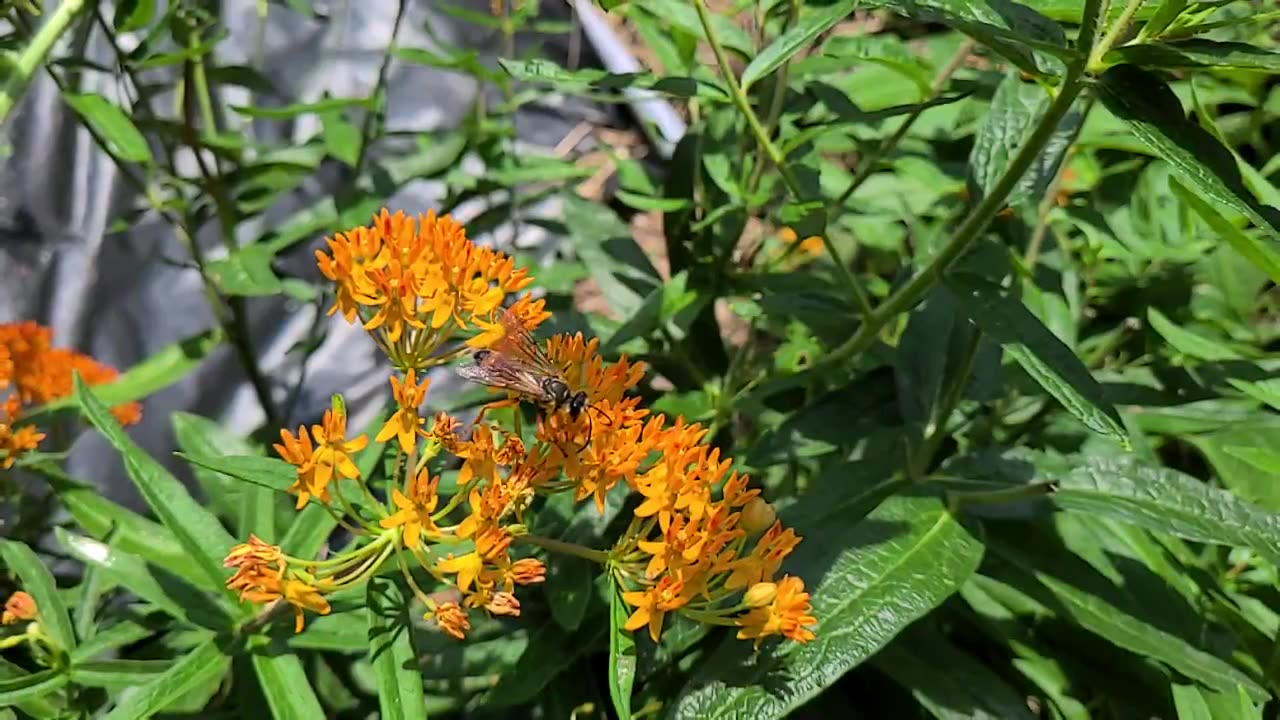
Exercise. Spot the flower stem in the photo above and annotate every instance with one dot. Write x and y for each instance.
(597, 556)
(24, 66)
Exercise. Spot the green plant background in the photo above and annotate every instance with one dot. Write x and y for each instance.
(1022, 406)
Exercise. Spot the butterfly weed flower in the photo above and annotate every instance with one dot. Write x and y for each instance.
(20, 607)
(700, 541)
(34, 373)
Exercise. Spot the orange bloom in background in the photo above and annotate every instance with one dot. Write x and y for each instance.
(811, 245)
(34, 373)
(415, 509)
(404, 424)
(19, 607)
(787, 615)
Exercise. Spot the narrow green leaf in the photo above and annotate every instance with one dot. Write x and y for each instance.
(286, 112)
(1255, 251)
(1168, 11)
(342, 140)
(246, 273)
(284, 682)
(196, 528)
(1190, 703)
(25, 688)
(129, 531)
(1166, 500)
(1015, 111)
(1264, 459)
(1196, 53)
(570, 585)
(265, 472)
(1187, 342)
(873, 578)
(1155, 115)
(797, 38)
(110, 638)
(117, 674)
(540, 70)
(622, 654)
(152, 584)
(34, 703)
(550, 650)
(162, 369)
(39, 583)
(1012, 29)
(681, 15)
(133, 15)
(111, 124)
(1040, 353)
(252, 506)
(391, 651)
(885, 50)
(196, 668)
(947, 681)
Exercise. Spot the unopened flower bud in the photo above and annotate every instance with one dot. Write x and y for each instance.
(760, 594)
(338, 404)
(757, 516)
(20, 606)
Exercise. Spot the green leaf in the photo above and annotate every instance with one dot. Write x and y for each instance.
(549, 650)
(196, 668)
(252, 506)
(246, 273)
(266, 472)
(284, 682)
(196, 528)
(118, 133)
(682, 16)
(1040, 353)
(342, 140)
(1189, 343)
(622, 654)
(1255, 251)
(1264, 459)
(885, 50)
(1154, 114)
(150, 583)
(873, 578)
(25, 688)
(1015, 111)
(31, 701)
(1166, 500)
(1196, 53)
(391, 651)
(39, 583)
(947, 681)
(287, 112)
(130, 532)
(540, 70)
(797, 38)
(122, 633)
(116, 674)
(133, 15)
(1241, 476)
(1190, 703)
(569, 589)
(1012, 29)
(162, 369)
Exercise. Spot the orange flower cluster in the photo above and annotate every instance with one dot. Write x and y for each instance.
(33, 373)
(18, 608)
(700, 543)
(263, 575)
(414, 284)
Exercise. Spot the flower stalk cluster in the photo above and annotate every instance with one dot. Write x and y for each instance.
(701, 542)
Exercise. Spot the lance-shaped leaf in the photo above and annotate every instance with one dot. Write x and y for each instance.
(391, 651)
(38, 582)
(205, 662)
(622, 655)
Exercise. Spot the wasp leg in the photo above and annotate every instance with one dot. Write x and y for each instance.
(509, 402)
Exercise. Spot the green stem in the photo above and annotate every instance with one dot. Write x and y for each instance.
(969, 231)
(1113, 34)
(26, 63)
(372, 123)
(956, 500)
(743, 103)
(597, 556)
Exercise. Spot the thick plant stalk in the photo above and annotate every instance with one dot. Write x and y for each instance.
(25, 64)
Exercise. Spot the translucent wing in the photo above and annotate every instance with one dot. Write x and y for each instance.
(519, 346)
(493, 368)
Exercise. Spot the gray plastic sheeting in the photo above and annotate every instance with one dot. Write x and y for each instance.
(120, 297)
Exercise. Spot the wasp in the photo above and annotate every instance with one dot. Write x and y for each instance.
(516, 363)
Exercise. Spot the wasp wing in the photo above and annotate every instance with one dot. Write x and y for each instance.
(505, 373)
(519, 345)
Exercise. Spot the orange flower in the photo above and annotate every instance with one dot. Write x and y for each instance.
(405, 423)
(527, 571)
(653, 603)
(298, 452)
(413, 283)
(15, 442)
(451, 618)
(811, 245)
(787, 615)
(415, 509)
(303, 597)
(503, 603)
(19, 607)
(765, 558)
(333, 450)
